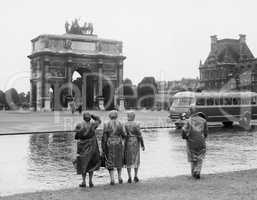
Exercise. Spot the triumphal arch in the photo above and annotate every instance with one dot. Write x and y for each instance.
(54, 60)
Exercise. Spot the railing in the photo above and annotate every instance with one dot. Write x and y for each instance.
(73, 131)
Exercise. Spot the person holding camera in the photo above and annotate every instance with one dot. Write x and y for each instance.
(88, 159)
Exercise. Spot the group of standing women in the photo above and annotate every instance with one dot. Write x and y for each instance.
(120, 147)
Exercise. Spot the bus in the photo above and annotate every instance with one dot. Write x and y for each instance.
(223, 107)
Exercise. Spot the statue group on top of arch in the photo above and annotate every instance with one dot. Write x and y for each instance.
(75, 28)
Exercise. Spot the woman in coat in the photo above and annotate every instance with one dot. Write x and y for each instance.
(88, 159)
(112, 145)
(133, 142)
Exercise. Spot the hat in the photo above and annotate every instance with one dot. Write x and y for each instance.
(86, 116)
(131, 115)
(113, 114)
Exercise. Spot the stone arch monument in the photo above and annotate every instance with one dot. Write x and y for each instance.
(55, 58)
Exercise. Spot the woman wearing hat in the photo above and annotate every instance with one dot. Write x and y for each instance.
(112, 145)
(133, 142)
(87, 147)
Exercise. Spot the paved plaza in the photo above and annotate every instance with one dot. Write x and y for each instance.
(22, 121)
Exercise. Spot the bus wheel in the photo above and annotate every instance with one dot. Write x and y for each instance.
(227, 124)
(245, 121)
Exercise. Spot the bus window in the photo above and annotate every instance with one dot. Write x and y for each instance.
(227, 101)
(236, 101)
(254, 100)
(184, 101)
(200, 102)
(245, 101)
(217, 101)
(210, 101)
(221, 101)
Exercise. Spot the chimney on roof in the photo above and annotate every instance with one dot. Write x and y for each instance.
(242, 38)
(214, 40)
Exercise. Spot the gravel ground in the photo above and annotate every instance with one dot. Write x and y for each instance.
(225, 186)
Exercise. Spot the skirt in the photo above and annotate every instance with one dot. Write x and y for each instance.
(88, 159)
(132, 152)
(115, 153)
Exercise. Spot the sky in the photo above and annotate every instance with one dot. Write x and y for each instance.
(165, 38)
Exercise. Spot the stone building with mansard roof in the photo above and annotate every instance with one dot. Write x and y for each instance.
(230, 65)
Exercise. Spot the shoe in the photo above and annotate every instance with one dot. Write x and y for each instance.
(120, 181)
(197, 176)
(112, 183)
(136, 180)
(82, 185)
(91, 185)
(129, 180)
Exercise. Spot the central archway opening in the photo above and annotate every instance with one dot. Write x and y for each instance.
(108, 95)
(77, 81)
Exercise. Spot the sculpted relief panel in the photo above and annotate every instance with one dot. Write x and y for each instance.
(83, 46)
(55, 72)
(109, 71)
(63, 45)
(110, 48)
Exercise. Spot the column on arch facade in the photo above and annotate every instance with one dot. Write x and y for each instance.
(84, 91)
(100, 85)
(46, 87)
(56, 90)
(120, 85)
(69, 74)
(39, 85)
(31, 95)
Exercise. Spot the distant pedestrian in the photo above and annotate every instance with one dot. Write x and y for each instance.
(112, 145)
(133, 142)
(195, 132)
(87, 147)
(79, 108)
(72, 106)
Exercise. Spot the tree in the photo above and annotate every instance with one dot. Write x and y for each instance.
(147, 89)
(127, 81)
(28, 97)
(24, 99)
(12, 99)
(2, 100)
(129, 94)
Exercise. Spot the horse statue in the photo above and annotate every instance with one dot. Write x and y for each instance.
(75, 28)
(67, 27)
(87, 29)
(90, 28)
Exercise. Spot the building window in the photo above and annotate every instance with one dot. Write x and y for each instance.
(210, 101)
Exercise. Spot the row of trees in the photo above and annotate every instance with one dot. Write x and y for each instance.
(11, 99)
(142, 95)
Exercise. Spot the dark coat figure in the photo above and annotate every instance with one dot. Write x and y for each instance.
(112, 145)
(88, 159)
(195, 132)
(79, 109)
